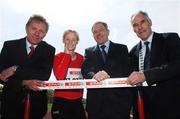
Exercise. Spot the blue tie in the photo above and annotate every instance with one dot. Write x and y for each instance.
(104, 55)
(147, 56)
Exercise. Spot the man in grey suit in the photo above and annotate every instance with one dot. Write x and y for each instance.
(102, 61)
(160, 101)
(24, 64)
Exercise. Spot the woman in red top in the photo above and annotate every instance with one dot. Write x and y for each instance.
(67, 103)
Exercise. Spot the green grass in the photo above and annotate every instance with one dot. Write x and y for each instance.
(49, 107)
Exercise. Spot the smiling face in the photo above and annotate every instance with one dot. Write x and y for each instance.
(36, 31)
(141, 26)
(70, 40)
(100, 33)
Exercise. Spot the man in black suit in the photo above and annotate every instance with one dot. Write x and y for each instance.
(163, 100)
(109, 103)
(23, 69)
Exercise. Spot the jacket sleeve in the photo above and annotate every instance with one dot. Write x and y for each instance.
(88, 70)
(170, 69)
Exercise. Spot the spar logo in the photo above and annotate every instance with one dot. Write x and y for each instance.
(73, 84)
(74, 72)
(95, 83)
(52, 84)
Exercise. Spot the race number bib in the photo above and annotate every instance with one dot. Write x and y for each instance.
(74, 74)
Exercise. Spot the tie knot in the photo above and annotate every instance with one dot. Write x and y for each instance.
(146, 43)
(31, 47)
(103, 47)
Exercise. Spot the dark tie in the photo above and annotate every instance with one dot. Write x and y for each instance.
(147, 56)
(27, 100)
(104, 55)
(31, 52)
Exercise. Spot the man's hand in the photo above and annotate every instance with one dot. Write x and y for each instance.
(1, 77)
(33, 84)
(5, 74)
(136, 78)
(101, 75)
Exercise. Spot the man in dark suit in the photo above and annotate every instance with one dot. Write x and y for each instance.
(109, 103)
(23, 69)
(163, 100)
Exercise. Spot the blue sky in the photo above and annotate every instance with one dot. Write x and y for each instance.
(80, 16)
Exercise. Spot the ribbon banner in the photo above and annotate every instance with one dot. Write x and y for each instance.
(86, 83)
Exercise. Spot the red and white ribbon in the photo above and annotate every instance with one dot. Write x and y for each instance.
(86, 83)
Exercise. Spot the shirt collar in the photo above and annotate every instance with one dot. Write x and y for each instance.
(28, 44)
(106, 44)
(149, 39)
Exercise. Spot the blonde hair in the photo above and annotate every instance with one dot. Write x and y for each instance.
(70, 31)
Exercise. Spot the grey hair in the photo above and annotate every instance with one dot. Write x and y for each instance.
(100, 22)
(145, 14)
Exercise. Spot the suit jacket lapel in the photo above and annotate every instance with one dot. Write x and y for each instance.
(112, 49)
(97, 54)
(136, 54)
(21, 49)
(156, 49)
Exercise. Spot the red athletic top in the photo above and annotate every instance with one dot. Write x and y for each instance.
(62, 62)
